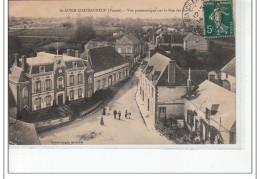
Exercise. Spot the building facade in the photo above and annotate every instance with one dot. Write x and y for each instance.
(161, 88)
(110, 67)
(129, 46)
(195, 42)
(210, 112)
(48, 79)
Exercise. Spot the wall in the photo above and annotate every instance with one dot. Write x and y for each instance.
(169, 94)
(173, 110)
(200, 45)
(230, 79)
(110, 72)
(76, 85)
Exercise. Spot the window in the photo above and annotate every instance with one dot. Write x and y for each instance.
(190, 118)
(48, 101)
(71, 79)
(162, 112)
(60, 82)
(119, 50)
(90, 79)
(212, 77)
(152, 92)
(48, 84)
(226, 75)
(42, 69)
(37, 86)
(123, 50)
(89, 93)
(207, 114)
(79, 78)
(114, 77)
(71, 94)
(25, 93)
(79, 93)
(104, 82)
(38, 103)
(126, 72)
(120, 75)
(74, 64)
(129, 50)
(98, 84)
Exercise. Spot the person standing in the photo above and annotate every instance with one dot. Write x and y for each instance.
(115, 113)
(119, 115)
(126, 114)
(102, 121)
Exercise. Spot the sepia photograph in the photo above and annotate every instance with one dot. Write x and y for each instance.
(97, 72)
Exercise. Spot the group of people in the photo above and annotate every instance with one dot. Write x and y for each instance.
(127, 114)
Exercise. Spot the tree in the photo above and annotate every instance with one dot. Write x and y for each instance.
(84, 33)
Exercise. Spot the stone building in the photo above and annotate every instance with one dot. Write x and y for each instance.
(161, 88)
(131, 47)
(210, 112)
(226, 77)
(110, 67)
(195, 42)
(47, 79)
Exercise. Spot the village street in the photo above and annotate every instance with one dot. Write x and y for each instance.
(125, 131)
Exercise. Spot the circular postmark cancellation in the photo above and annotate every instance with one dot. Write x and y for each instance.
(193, 16)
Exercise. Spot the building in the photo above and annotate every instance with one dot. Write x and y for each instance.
(48, 79)
(161, 88)
(129, 46)
(210, 112)
(95, 44)
(195, 42)
(110, 67)
(226, 77)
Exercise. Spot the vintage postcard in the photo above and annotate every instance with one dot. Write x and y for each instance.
(108, 72)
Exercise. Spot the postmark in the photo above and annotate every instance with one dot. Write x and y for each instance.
(218, 19)
(192, 16)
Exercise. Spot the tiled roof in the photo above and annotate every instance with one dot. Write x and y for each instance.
(103, 58)
(208, 94)
(132, 38)
(230, 68)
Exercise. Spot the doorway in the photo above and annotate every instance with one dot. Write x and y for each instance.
(60, 99)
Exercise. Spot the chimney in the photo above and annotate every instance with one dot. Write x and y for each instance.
(171, 72)
(68, 52)
(189, 84)
(16, 58)
(77, 53)
(72, 53)
(24, 62)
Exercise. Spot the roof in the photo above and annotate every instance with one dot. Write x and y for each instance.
(192, 35)
(17, 74)
(131, 38)
(230, 68)
(22, 133)
(209, 94)
(94, 44)
(159, 63)
(103, 58)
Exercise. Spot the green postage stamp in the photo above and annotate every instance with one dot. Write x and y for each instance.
(218, 19)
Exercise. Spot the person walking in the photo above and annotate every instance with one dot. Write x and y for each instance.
(119, 115)
(115, 113)
(102, 121)
(126, 114)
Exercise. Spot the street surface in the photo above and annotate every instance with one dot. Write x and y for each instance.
(125, 131)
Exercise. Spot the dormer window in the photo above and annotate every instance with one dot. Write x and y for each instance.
(42, 69)
(74, 64)
(58, 62)
(214, 109)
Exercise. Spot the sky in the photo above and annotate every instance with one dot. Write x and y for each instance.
(53, 8)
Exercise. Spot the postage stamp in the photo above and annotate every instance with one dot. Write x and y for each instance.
(218, 19)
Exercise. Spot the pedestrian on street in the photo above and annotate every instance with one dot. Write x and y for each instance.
(101, 121)
(104, 111)
(119, 115)
(115, 113)
(126, 114)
